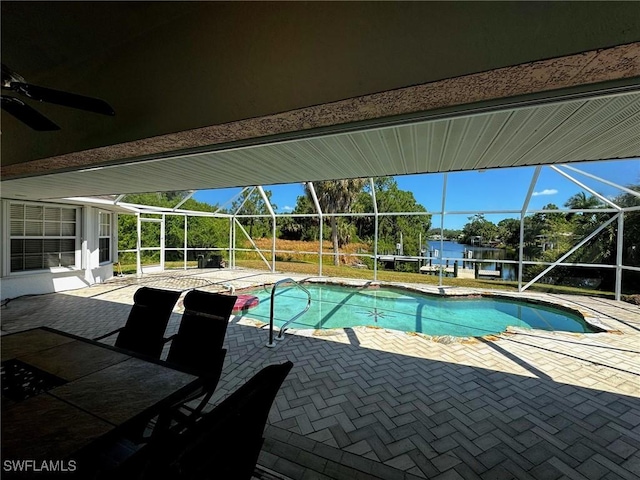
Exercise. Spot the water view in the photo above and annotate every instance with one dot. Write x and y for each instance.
(464, 253)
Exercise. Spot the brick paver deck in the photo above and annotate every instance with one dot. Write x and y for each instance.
(367, 403)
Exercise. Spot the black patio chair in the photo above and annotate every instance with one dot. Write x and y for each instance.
(227, 441)
(143, 332)
(224, 443)
(197, 347)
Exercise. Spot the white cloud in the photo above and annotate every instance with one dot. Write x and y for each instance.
(287, 208)
(546, 191)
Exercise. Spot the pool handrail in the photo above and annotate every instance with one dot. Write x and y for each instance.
(295, 317)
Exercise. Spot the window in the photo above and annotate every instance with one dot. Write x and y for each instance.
(104, 236)
(42, 237)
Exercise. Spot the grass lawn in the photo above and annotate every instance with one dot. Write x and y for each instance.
(345, 271)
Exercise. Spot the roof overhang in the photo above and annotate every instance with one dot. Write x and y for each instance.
(599, 127)
(577, 108)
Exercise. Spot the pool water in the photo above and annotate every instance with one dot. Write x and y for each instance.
(334, 306)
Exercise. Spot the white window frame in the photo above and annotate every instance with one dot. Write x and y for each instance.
(109, 236)
(76, 237)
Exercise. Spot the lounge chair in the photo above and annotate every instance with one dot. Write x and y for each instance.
(143, 333)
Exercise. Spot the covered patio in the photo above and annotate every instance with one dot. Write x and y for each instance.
(223, 94)
(379, 404)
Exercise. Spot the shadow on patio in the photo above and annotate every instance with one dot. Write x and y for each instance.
(367, 403)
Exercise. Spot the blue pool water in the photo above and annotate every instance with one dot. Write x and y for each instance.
(335, 306)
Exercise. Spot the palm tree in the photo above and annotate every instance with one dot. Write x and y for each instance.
(580, 201)
(254, 205)
(337, 196)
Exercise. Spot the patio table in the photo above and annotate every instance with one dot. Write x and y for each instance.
(61, 393)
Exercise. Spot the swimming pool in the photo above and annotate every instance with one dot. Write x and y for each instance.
(336, 306)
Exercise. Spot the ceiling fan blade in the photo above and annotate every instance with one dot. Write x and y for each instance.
(66, 99)
(27, 115)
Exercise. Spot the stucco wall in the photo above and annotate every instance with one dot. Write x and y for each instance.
(60, 279)
(169, 68)
(37, 283)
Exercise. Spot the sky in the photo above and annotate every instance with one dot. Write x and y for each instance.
(490, 190)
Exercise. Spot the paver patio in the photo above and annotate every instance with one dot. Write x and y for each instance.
(367, 403)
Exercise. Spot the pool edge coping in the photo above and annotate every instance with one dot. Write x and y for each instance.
(590, 317)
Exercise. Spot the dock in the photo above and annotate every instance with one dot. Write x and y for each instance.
(448, 270)
(435, 269)
(397, 258)
(489, 273)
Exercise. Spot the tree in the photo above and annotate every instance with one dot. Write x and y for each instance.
(552, 229)
(478, 226)
(509, 231)
(585, 222)
(254, 205)
(150, 232)
(391, 199)
(631, 243)
(603, 247)
(451, 234)
(300, 228)
(337, 196)
(631, 253)
(202, 232)
(580, 201)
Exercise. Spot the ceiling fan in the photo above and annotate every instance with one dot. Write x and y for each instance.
(30, 116)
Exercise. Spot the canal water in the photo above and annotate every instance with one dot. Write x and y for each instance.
(457, 251)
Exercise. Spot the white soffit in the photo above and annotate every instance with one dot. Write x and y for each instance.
(571, 131)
